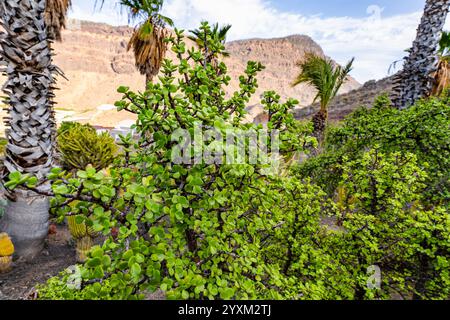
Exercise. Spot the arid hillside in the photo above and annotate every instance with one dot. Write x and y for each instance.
(95, 61)
(344, 104)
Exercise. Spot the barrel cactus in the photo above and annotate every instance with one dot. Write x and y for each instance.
(83, 235)
(6, 252)
(80, 145)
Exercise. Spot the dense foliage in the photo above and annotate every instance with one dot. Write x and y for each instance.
(193, 230)
(422, 130)
(387, 226)
(204, 228)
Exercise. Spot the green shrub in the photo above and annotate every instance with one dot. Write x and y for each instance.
(387, 226)
(192, 230)
(66, 286)
(381, 223)
(201, 230)
(80, 146)
(422, 130)
(301, 246)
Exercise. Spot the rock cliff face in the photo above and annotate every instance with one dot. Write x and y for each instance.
(95, 61)
(280, 57)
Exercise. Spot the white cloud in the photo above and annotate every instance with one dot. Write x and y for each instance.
(110, 13)
(375, 41)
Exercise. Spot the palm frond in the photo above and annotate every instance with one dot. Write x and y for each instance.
(142, 10)
(165, 19)
(217, 33)
(322, 74)
(195, 36)
(442, 75)
(444, 46)
(221, 32)
(149, 46)
(342, 75)
(442, 78)
(148, 39)
(55, 17)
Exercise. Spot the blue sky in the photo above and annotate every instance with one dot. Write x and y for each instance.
(353, 8)
(375, 32)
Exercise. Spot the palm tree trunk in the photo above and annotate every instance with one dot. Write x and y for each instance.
(416, 80)
(148, 79)
(27, 62)
(320, 120)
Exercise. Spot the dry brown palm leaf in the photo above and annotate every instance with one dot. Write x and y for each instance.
(55, 17)
(442, 78)
(149, 48)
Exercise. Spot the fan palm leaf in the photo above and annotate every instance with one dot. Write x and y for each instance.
(149, 48)
(148, 39)
(444, 46)
(442, 75)
(55, 17)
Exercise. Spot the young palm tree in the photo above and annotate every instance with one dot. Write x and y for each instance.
(442, 76)
(219, 35)
(26, 60)
(147, 40)
(416, 80)
(327, 78)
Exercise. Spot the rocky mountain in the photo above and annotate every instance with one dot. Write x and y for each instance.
(95, 61)
(344, 104)
(279, 56)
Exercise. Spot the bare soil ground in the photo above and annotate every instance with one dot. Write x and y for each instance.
(19, 283)
(59, 254)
